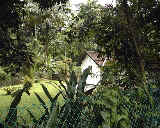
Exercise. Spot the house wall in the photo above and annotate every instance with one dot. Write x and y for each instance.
(96, 73)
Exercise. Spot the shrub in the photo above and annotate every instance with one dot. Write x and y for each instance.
(75, 101)
(9, 80)
(143, 113)
(11, 90)
(114, 112)
(3, 74)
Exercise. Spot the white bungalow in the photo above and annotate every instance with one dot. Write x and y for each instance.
(92, 59)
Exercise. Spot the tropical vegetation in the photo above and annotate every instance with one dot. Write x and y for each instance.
(44, 40)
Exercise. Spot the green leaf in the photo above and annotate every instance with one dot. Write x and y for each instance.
(73, 79)
(43, 119)
(82, 82)
(47, 92)
(54, 100)
(53, 118)
(32, 116)
(41, 101)
(13, 36)
(11, 117)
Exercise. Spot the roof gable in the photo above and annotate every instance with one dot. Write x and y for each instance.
(99, 60)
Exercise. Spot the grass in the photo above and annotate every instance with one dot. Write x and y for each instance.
(29, 102)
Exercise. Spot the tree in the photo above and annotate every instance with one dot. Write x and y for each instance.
(128, 33)
(15, 52)
(77, 38)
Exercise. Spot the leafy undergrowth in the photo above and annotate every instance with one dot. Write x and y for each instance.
(28, 102)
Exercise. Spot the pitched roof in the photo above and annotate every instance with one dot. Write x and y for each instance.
(99, 60)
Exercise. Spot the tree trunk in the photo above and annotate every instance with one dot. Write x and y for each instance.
(138, 62)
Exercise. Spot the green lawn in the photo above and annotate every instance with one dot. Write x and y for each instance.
(28, 102)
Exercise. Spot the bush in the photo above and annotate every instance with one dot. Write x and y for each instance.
(3, 74)
(73, 113)
(8, 79)
(143, 113)
(113, 111)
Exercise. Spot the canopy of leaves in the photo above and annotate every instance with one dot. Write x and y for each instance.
(16, 38)
(128, 32)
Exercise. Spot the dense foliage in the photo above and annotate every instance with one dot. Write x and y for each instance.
(45, 39)
(14, 46)
(128, 32)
